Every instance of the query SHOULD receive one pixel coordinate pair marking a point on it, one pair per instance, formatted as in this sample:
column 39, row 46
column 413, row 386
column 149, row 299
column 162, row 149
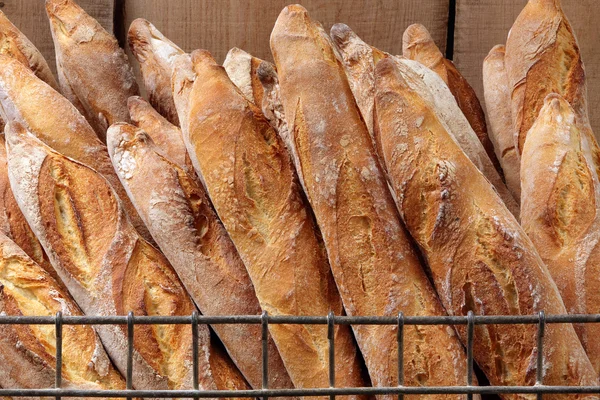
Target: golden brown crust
column 27, row 352
column 497, row 101
column 479, row 256
column 542, row 57
column 251, row 182
column 108, row 268
column 560, row 213
column 371, row 255
column 93, row 71
column 13, row 223
column 24, row 98
column 359, row 60
column 155, row 53
column 418, row 45
column 14, row 43
column 181, row 219
column 242, row 69
column 163, row 133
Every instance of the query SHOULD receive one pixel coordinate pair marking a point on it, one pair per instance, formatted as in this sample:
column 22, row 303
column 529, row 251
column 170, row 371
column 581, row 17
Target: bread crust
column 183, row 223
column 155, row 53
column 561, row 211
column 359, row 59
column 242, row 69
column 15, row 44
column 108, row 268
column 479, row 256
column 27, row 352
column 376, row 268
column 497, row 101
column 24, row 98
column 164, row 134
column 543, row 57
column 251, row 182
column 93, row 71
column 14, row 225
column 435, row 93
column 418, row 45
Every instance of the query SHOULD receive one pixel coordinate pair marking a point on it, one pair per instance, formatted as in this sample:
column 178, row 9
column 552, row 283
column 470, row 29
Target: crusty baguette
column 272, row 106
column 497, row 101
column 375, row 266
column 543, row 57
column 164, row 134
column 561, row 211
column 155, row 53
column 252, row 184
column 93, row 71
column 15, row 44
column 51, row 118
column 14, row 225
column 108, row 268
column 242, row 69
column 184, row 225
column 418, row 45
column 480, row 258
column 358, row 59
column 436, row 94
column 27, row 352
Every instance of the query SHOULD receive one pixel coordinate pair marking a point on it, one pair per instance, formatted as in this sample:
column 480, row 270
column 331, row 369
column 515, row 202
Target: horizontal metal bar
column 304, row 320
column 395, row 390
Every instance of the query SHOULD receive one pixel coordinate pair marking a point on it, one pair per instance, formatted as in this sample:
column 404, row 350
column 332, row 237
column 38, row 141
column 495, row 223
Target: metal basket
column 330, row 320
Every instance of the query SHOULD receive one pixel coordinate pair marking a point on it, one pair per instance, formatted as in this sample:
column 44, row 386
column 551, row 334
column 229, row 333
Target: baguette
column 155, row 53
column 166, row 135
column 560, row 214
column 25, row 99
column 14, row 43
column 184, row 225
column 27, row 352
column 272, row 107
column 242, row 69
column 252, row 184
column 418, row 45
column 543, row 57
column 14, row 225
column 358, row 59
column 375, row 266
column 93, row 71
column 480, row 258
column 108, row 268
column 497, row 101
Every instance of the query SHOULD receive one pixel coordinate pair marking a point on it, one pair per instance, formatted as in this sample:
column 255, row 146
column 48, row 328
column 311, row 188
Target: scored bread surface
column 480, row 258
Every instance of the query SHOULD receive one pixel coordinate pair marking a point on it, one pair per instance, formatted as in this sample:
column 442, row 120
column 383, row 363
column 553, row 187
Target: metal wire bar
column 301, row 320
column 539, row 376
column 195, row 384
column 331, row 337
column 470, row 331
column 400, row 339
column 265, row 353
column 59, row 343
column 393, row 390
column 130, row 327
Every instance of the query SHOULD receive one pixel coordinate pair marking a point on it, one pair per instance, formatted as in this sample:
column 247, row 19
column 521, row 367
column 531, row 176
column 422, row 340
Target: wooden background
column 217, row 25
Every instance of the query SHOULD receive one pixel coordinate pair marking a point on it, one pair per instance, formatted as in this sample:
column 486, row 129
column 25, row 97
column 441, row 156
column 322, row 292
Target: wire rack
column 470, row 320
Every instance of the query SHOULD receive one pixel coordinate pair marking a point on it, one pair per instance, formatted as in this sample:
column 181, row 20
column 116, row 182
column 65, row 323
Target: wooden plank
column 218, row 25
column 481, row 24
column 30, row 17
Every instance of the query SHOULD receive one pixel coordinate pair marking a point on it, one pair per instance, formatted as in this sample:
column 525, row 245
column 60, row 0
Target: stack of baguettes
column 339, row 179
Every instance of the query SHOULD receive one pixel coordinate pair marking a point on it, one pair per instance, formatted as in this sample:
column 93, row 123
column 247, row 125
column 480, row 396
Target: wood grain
column 218, row 25
column 30, row 17
column 481, row 24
